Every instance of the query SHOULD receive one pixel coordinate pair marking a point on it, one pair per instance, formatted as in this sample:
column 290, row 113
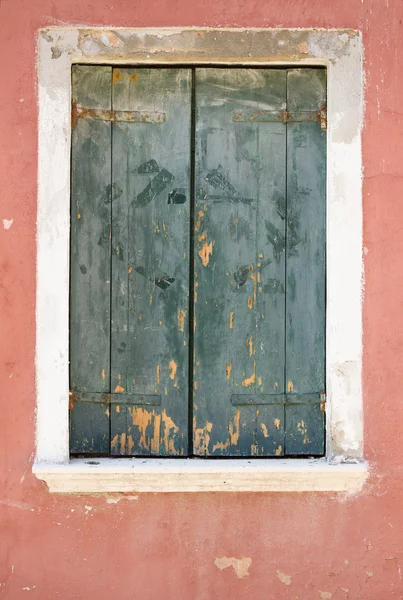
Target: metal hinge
column 119, row 116
column 283, row 116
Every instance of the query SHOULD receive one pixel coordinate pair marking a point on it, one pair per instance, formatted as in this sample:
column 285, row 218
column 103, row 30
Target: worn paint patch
column 201, row 437
column 264, row 429
column 206, row 250
column 172, row 369
column 119, row 389
column 249, row 380
column 181, row 319
column 228, row 369
column 276, row 423
column 240, row 565
column 286, row 579
column 325, row 595
column 231, row 319
column 7, row 223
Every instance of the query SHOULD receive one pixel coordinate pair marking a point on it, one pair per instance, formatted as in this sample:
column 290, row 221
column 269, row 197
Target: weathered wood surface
column 90, row 259
column 150, row 260
column 240, row 274
column 306, row 261
column 259, row 262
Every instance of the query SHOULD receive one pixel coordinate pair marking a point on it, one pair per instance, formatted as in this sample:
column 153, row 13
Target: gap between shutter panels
column 252, row 420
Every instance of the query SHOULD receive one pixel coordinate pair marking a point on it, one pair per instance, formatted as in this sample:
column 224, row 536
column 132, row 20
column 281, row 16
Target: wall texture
column 204, row 546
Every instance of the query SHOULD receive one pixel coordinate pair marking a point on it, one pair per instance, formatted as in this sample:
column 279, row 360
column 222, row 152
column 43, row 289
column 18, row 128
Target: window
column 198, row 261
column 340, row 51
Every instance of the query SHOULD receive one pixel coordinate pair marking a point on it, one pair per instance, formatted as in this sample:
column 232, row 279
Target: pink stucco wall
column 301, row 546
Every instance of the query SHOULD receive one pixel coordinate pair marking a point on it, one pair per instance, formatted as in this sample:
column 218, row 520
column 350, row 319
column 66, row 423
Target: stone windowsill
column 201, row 475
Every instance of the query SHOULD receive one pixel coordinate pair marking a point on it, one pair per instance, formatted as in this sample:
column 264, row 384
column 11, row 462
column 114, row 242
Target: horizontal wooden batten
column 280, row 116
column 118, row 398
column 119, row 116
column 252, row 399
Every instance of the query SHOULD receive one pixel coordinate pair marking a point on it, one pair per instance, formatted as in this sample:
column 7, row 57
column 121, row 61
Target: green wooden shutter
column 90, row 263
column 130, row 261
column 150, row 262
column 256, row 269
column 260, row 262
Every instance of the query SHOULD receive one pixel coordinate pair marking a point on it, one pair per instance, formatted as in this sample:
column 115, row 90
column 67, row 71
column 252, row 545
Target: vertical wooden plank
column 150, row 258
column 239, row 260
column 90, row 257
column 305, row 263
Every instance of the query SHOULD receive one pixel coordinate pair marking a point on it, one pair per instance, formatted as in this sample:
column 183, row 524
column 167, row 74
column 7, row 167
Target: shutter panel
column 150, row 261
column 90, row 263
column 240, row 261
column 260, row 262
column 305, row 263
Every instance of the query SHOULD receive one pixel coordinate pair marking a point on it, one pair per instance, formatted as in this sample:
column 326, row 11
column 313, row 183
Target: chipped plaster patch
column 286, row 579
column 117, row 499
column 7, row 223
column 325, row 595
column 240, row 565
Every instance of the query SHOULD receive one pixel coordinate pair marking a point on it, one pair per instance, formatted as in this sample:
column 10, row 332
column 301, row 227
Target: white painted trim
column 194, row 475
column 341, row 52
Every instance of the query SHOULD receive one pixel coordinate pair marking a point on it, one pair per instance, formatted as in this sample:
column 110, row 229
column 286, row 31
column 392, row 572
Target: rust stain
column 228, row 369
column 119, row 389
column 290, row 387
column 265, row 430
column 181, row 319
column 231, row 319
column 249, row 380
column 277, row 423
column 278, row 450
column 130, row 270
column 103, row 374
column 158, row 375
column 173, row 368
column 155, row 442
column 133, row 77
column 249, row 343
column 205, row 253
column 201, row 437
column 117, row 75
column 250, row 303
column 170, row 430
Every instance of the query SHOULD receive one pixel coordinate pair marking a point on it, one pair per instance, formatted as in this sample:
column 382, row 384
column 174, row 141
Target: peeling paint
column 7, row 223
column 172, row 369
column 241, row 566
column 286, row 579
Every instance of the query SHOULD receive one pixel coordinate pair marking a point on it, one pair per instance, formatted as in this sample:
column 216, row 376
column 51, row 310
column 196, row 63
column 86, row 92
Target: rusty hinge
column 120, row 116
column 281, row 116
column 323, row 402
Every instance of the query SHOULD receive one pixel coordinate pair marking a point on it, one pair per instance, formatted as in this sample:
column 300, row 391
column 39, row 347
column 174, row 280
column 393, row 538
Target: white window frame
column 344, row 468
